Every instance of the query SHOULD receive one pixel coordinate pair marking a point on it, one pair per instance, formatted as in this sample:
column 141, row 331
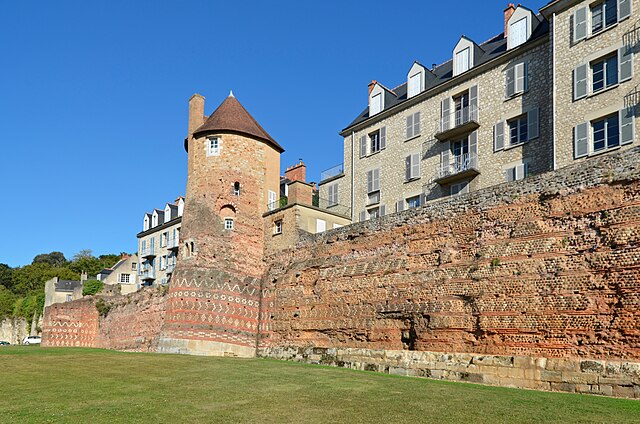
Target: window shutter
column 369, row 181
column 383, row 138
column 409, row 126
column 473, row 103
column 445, row 114
column 581, row 140
column 525, row 170
column 533, row 121
column 407, row 173
column 444, row 159
column 400, row 205
column 625, row 63
column 510, row 174
column 416, row 123
column 415, row 165
column 580, row 24
column 580, row 82
column 511, row 81
column 520, row 172
column 375, row 179
column 363, row 146
column 383, row 210
column 626, row 125
column 519, row 71
column 624, row 9
column 498, row 136
column 363, row 216
column 525, row 75
column 473, row 149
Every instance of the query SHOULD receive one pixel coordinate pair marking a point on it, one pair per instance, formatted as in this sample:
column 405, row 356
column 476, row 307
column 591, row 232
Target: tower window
column 277, row 229
column 228, row 223
column 213, row 146
column 236, row 189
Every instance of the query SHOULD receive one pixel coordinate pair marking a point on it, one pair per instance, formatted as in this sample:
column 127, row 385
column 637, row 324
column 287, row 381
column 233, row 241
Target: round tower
column 233, row 174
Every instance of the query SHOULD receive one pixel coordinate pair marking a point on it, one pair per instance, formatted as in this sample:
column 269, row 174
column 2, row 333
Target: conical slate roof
column 232, row 116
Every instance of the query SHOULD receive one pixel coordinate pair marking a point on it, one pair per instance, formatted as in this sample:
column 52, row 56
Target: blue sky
column 93, row 96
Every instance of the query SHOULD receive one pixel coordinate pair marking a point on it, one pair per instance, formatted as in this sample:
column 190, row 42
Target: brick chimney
column 371, row 85
column 297, row 172
column 196, row 112
column 508, row 12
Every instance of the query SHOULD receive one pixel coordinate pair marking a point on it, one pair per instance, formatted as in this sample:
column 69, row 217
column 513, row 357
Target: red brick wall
column 553, row 276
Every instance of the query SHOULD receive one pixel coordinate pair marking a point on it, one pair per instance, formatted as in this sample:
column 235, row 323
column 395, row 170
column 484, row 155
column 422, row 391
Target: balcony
column 460, row 122
column 173, row 243
column 462, row 167
column 332, row 172
column 148, row 274
column 148, row 252
column 170, row 268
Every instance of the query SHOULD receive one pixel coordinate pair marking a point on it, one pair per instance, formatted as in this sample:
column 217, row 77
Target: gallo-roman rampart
column 530, row 284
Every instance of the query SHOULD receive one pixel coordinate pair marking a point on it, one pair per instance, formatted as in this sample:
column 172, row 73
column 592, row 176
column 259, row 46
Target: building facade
column 158, row 244
column 60, row 291
column 124, row 273
column 539, row 96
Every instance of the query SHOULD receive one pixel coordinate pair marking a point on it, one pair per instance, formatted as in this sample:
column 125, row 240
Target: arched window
column 236, row 189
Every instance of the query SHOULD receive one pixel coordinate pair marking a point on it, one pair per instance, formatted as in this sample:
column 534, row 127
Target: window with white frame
column 321, row 225
column 213, row 146
column 277, row 227
column 460, row 188
column 134, row 266
column 413, row 125
column 376, row 104
column 517, row 79
column 462, row 61
column 374, row 142
column 272, row 200
column 228, row 223
column 333, row 195
column 518, row 32
column 69, row 297
column 598, row 16
column 412, row 167
column 607, row 132
column 415, row 85
column 413, row 202
column 604, row 73
column 125, row 278
column 518, row 130
column 603, row 15
column 517, row 172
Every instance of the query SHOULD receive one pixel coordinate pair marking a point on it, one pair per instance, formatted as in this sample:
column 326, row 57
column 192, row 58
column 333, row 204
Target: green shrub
column 103, row 307
column 92, row 287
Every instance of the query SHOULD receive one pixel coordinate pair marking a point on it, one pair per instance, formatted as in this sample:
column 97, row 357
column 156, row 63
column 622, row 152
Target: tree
column 83, row 254
column 7, row 300
column 6, row 276
column 53, row 259
column 92, row 287
column 32, row 277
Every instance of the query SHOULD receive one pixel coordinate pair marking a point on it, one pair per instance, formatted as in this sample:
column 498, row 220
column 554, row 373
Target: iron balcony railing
column 332, row 172
column 458, row 118
column 148, row 274
column 459, row 164
column 631, row 38
column 331, row 206
column 173, row 243
column 148, row 251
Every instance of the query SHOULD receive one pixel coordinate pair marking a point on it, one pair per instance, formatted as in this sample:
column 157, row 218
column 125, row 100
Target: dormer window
column 518, row 32
column 146, row 223
column 376, row 104
column 462, row 61
column 180, row 207
column 213, row 146
column 154, row 220
column 415, row 85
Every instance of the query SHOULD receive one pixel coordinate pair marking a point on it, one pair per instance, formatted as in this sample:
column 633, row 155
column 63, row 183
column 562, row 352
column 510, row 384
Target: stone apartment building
column 123, row 273
column 158, row 243
column 497, row 111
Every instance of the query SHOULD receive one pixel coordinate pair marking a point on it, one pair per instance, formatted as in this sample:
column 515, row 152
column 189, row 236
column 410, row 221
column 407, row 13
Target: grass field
column 90, row 386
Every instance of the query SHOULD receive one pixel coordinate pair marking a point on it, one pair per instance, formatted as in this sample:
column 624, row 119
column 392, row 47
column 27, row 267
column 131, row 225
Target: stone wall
column 13, row 330
column 545, row 268
column 126, row 323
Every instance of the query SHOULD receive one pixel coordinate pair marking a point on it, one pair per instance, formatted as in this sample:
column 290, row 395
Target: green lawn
column 88, row 386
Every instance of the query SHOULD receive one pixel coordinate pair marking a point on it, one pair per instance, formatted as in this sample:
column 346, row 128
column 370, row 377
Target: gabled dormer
column 520, row 26
column 147, row 222
column 465, row 55
column 170, row 212
column 379, row 97
column 157, row 218
column 417, row 79
column 180, row 203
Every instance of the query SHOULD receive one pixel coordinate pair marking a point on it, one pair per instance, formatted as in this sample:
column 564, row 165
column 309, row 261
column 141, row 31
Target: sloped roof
column 232, row 116
column 67, row 285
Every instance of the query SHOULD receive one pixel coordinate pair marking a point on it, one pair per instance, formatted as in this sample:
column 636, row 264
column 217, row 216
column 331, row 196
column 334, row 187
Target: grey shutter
column 525, row 76
column 511, row 81
column 498, row 136
column 533, row 122
column 624, row 9
column 383, row 210
column 525, row 170
column 625, row 63
column 400, row 205
column 473, row 149
column 510, row 174
column 375, row 179
column 369, row 181
column 580, row 82
column 409, row 126
column 626, row 125
column 363, row 216
column 407, row 163
column 520, row 77
column 473, row 103
column 444, row 159
column 581, row 140
column 363, row 146
column 445, row 114
column 520, row 172
column 383, row 138
column 415, row 165
column 580, row 24
column 416, row 123
column 423, row 199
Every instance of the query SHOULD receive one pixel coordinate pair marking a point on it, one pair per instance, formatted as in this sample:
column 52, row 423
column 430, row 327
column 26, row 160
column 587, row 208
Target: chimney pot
column 371, row 85
column 196, row 112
